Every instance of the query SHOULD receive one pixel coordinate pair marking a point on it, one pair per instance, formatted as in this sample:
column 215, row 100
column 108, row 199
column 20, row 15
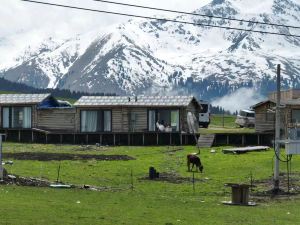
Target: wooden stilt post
column 156, row 138
column 143, row 139
column 180, row 138
column 19, row 134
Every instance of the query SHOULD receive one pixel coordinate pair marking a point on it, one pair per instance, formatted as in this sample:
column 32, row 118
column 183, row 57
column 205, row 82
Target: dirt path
column 41, row 156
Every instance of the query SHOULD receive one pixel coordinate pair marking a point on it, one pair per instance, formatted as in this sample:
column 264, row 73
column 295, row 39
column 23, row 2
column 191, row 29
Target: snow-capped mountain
column 148, row 56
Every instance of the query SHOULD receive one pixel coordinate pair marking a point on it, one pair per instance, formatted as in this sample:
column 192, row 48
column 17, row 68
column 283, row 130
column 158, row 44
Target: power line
column 196, row 14
column 160, row 19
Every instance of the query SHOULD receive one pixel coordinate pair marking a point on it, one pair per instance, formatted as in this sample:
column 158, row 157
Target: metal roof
column 282, row 102
column 22, row 98
column 134, row 101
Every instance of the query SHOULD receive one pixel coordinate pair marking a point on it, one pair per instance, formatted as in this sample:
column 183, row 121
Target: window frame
column 102, row 118
column 10, row 107
column 292, row 112
column 156, row 115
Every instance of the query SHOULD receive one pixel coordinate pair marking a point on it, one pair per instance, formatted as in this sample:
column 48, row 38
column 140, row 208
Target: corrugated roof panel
column 131, row 100
column 22, row 98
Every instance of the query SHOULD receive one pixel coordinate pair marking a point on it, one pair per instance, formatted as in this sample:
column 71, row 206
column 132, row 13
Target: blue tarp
column 51, row 102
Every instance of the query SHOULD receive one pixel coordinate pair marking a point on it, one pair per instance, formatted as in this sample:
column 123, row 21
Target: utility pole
column 277, row 134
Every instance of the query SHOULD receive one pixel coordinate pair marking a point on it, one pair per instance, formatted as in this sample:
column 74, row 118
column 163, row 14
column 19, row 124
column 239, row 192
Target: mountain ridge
column 152, row 56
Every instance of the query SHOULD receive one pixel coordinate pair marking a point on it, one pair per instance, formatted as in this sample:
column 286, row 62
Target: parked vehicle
column 204, row 115
column 245, row 118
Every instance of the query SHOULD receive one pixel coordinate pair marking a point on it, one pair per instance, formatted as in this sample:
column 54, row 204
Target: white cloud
column 26, row 17
column 243, row 98
column 26, row 24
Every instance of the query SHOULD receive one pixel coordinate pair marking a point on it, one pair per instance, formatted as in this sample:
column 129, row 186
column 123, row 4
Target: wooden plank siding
column 121, row 117
column 193, row 108
column 263, row 125
column 56, row 119
column 0, row 116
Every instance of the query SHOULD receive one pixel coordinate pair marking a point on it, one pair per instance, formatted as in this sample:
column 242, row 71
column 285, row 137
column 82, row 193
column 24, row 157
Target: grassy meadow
column 149, row 202
column 227, row 125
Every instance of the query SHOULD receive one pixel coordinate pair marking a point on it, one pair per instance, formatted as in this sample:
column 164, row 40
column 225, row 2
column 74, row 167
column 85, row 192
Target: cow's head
column 201, row 168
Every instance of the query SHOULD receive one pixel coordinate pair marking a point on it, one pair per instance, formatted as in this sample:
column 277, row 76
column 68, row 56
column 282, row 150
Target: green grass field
column 226, row 125
column 150, row 202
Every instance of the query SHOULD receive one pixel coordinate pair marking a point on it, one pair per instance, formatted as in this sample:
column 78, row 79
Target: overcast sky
column 39, row 20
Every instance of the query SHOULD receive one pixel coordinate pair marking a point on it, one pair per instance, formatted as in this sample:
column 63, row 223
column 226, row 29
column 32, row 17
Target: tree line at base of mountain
column 7, row 86
column 221, row 110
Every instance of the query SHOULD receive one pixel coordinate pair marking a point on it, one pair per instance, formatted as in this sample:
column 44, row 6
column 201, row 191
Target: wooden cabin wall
column 263, row 125
column 0, row 116
column 56, row 119
column 117, row 119
column 289, row 113
column 194, row 108
column 77, row 120
column 141, row 119
column 286, row 94
column 120, row 118
column 34, row 117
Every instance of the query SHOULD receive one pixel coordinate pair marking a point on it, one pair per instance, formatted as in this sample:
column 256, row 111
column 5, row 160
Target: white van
column 204, row 115
column 245, row 118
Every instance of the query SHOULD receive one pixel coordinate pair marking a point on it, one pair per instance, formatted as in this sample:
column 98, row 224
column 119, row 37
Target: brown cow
column 194, row 160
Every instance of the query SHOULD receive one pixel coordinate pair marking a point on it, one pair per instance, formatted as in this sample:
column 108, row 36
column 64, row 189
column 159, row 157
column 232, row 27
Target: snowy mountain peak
column 146, row 56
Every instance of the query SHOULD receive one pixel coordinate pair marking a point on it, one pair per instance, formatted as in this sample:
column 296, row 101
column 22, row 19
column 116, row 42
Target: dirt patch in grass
column 173, row 178
column 288, row 188
column 41, row 156
column 38, row 182
column 171, row 150
column 25, row 181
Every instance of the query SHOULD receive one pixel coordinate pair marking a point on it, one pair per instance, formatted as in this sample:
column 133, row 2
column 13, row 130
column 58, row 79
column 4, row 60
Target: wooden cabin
column 290, row 112
column 35, row 112
column 96, row 114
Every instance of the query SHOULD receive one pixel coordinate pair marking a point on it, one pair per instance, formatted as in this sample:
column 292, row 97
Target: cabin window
column 175, row 120
column 16, row 117
column 163, row 120
column 5, row 117
column 295, row 116
column 151, row 120
column 95, row 120
column 107, row 121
